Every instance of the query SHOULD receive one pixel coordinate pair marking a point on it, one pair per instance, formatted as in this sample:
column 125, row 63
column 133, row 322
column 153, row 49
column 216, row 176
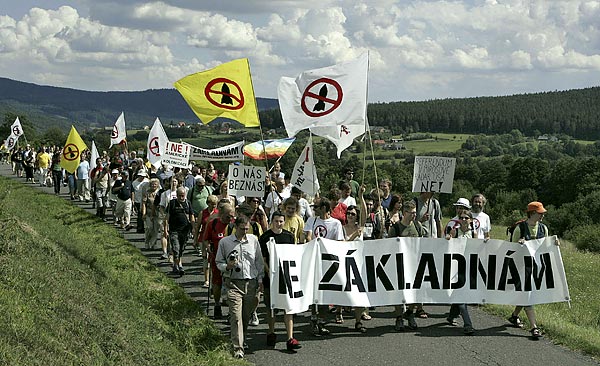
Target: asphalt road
column 433, row 343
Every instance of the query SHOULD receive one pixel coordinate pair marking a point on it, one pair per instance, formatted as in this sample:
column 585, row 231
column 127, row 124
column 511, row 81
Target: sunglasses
column 465, row 218
column 350, row 213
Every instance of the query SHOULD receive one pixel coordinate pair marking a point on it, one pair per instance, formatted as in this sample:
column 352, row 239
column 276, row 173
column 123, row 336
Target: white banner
column 433, row 174
column 248, row 181
column 177, row 154
column 157, row 141
column 16, row 128
column 304, row 175
column 416, row 270
column 233, row 152
column 119, row 132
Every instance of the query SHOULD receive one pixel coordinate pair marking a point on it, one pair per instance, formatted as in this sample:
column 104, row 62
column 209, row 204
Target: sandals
column 366, row 316
column 339, row 319
column 536, row 333
column 515, row 321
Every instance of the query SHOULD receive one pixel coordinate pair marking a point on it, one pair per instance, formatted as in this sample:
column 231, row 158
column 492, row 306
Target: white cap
column 463, row 202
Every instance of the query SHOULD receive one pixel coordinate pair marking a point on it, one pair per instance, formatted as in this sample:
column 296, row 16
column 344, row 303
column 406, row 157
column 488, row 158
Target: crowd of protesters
column 175, row 206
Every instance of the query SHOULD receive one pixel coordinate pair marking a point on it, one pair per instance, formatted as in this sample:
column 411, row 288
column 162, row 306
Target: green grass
column 575, row 325
column 75, row 293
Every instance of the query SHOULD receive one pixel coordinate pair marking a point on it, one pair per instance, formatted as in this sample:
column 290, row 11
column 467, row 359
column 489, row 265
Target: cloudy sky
column 419, row 50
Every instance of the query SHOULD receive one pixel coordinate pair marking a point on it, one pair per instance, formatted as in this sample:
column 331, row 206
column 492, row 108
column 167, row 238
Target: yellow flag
column 225, row 91
column 72, row 151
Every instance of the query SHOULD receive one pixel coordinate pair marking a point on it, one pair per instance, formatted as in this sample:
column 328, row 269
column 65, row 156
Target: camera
column 233, row 255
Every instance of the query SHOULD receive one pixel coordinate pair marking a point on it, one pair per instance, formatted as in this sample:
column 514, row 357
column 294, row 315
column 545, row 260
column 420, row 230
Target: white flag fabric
column 342, row 136
column 304, row 175
column 157, row 143
column 397, row 271
column 94, row 156
column 11, row 142
column 16, row 128
column 119, row 133
column 326, row 97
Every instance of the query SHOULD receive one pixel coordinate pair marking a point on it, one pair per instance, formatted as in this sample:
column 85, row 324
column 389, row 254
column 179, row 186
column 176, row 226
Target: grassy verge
column 75, row 293
column 574, row 325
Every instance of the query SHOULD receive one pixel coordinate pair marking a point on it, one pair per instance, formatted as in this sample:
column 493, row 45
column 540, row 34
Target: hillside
column 48, row 106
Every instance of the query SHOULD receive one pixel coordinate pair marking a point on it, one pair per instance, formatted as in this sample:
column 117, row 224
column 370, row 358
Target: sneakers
column 238, row 354
column 469, row 330
column 292, row 344
column 254, row 319
column 515, row 321
column 164, row 256
column 399, row 326
column 536, row 333
column 359, row 327
column 410, row 317
column 271, row 339
column 218, row 313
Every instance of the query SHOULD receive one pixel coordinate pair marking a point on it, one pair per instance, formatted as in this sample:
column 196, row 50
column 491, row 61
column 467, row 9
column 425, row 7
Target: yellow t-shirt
column 294, row 225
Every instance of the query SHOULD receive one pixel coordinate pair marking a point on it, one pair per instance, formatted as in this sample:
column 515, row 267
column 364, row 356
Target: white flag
column 119, row 133
column 93, row 157
column 16, row 129
column 11, row 142
column 342, row 136
column 157, row 143
column 304, row 175
column 331, row 96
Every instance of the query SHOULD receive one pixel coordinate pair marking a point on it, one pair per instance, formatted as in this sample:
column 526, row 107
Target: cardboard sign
column 433, row 174
column 177, row 155
column 248, row 181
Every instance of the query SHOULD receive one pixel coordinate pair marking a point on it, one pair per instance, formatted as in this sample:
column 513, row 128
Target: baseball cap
column 142, row 173
column 114, row 171
column 536, row 206
column 463, row 202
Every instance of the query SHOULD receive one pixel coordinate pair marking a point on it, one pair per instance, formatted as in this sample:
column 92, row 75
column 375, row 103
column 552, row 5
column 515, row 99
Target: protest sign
column 433, row 174
column 177, row 154
column 248, row 181
column 233, row 152
column 397, row 271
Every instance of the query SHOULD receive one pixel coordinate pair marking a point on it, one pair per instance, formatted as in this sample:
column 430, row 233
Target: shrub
column 585, row 237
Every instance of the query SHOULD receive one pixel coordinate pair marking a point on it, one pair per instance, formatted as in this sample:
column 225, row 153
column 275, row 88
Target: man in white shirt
column 323, row 225
column 481, row 221
column 276, row 197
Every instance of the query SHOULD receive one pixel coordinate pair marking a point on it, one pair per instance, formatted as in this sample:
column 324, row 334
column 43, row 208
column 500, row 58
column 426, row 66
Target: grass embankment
column 575, row 326
column 72, row 292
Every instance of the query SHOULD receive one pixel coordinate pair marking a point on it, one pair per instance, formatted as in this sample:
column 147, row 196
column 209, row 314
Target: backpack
column 400, row 228
column 524, row 229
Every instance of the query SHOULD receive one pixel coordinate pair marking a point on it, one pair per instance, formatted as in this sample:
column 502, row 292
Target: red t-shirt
column 214, row 236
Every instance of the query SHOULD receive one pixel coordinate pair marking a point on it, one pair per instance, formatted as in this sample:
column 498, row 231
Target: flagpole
column 262, row 137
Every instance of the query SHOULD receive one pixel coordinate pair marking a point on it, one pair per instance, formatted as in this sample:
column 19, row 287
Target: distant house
column 395, row 141
column 181, row 124
column 379, row 142
column 146, row 128
column 394, row 146
column 546, row 138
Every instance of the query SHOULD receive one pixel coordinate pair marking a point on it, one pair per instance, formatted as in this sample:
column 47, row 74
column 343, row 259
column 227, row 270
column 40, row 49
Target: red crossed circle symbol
column 16, row 130
column 71, row 152
column 239, row 97
column 308, row 93
column 11, row 142
column 154, row 146
column 115, row 133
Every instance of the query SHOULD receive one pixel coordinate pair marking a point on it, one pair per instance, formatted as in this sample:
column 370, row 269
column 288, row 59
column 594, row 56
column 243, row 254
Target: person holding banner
column 463, row 230
column 408, row 226
column 281, row 236
column 240, row 260
column 481, row 220
column 293, row 222
column 532, row 228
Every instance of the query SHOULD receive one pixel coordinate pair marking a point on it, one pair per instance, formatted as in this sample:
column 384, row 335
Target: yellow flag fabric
column 224, row 91
column 72, row 151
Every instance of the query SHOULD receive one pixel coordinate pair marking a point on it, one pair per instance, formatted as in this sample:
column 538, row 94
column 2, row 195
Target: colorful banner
column 273, row 148
column 233, row 152
column 224, row 91
column 433, row 174
column 397, row 271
